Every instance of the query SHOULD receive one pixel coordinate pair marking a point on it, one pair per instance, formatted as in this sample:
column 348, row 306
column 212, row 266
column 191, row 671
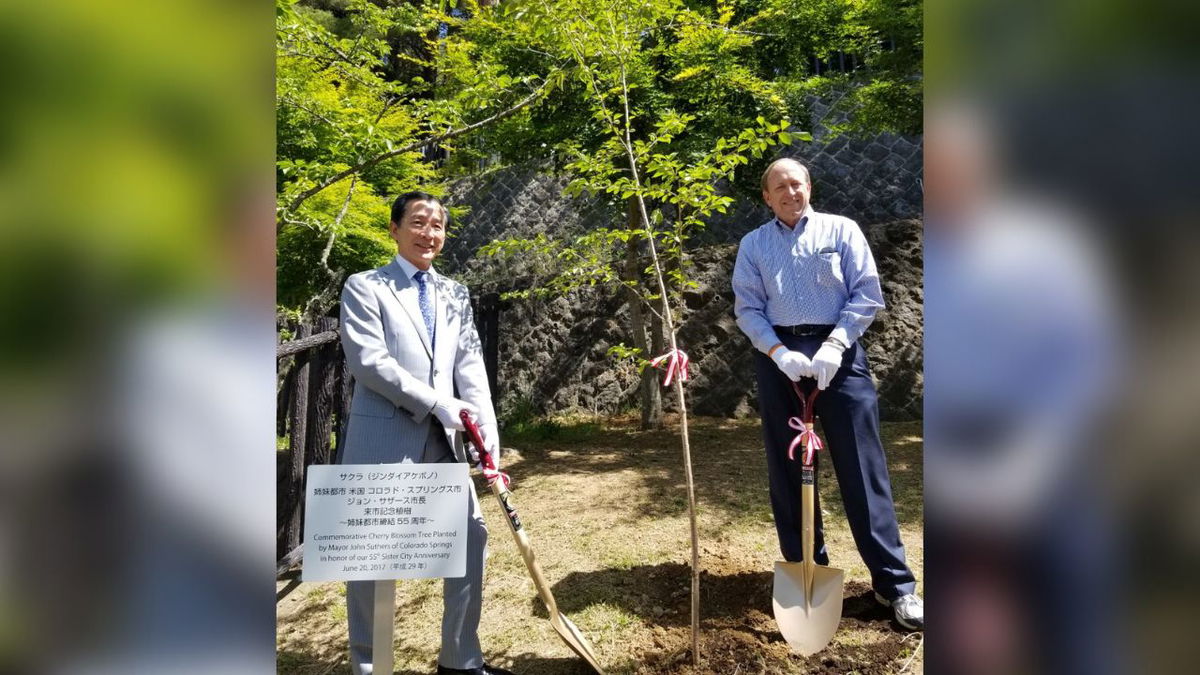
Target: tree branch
column 316, row 306
column 417, row 145
column 288, row 100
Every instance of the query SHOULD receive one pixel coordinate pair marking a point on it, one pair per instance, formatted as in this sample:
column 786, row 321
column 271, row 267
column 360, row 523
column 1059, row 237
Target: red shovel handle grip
column 476, row 438
column 807, row 407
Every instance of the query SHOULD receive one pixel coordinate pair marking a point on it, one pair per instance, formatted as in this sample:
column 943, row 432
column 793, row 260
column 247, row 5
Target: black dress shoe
column 485, row 669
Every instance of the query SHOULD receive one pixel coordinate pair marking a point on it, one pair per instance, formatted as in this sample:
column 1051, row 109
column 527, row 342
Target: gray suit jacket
column 399, row 372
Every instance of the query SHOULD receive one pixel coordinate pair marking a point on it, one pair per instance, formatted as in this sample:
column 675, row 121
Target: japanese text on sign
column 385, row 521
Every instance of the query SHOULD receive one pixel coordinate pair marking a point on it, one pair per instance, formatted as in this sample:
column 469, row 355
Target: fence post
column 320, row 397
column 283, row 397
column 345, row 391
column 283, row 401
column 297, row 436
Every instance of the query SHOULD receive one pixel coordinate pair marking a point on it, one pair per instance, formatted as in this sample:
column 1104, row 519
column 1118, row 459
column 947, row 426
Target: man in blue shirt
column 806, row 289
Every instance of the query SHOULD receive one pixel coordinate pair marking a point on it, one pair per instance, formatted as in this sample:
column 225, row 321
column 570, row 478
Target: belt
column 805, row 329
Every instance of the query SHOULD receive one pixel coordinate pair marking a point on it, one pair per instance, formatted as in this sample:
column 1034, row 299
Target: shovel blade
column 570, row 634
column 807, row 623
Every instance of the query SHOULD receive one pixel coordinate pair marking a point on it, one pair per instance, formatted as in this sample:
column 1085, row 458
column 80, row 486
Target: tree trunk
column 669, row 330
column 651, row 395
column 658, row 345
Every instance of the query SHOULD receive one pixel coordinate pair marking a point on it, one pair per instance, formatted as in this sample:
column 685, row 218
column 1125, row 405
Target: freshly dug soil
column 739, row 634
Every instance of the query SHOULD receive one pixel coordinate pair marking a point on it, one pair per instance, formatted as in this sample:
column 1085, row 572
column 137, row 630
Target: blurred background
column 1061, row 333
column 137, row 369
column 137, row 358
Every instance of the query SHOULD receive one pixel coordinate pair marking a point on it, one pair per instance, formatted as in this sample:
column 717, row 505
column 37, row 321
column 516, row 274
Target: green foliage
column 693, row 96
column 884, row 36
column 890, row 105
column 333, row 103
column 363, row 90
column 284, row 316
column 621, row 352
column 666, row 81
column 359, row 242
column 700, row 90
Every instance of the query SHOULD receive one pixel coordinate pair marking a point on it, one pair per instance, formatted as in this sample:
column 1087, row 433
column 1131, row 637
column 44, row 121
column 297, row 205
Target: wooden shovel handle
column 504, row 496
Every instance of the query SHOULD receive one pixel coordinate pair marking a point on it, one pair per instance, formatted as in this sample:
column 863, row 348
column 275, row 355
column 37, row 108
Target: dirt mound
column 738, row 632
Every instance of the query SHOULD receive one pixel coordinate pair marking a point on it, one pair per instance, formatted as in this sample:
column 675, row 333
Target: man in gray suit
column 412, row 347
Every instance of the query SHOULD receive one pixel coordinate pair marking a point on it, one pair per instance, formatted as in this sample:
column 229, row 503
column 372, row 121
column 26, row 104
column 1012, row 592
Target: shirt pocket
column 829, row 268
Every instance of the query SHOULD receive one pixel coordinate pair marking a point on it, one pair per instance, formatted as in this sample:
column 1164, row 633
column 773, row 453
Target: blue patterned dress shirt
column 820, row 272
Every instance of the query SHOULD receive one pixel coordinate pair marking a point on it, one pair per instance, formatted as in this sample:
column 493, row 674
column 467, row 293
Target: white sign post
column 382, row 522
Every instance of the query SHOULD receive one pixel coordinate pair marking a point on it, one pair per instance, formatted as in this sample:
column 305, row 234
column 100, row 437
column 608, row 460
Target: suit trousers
column 849, row 413
column 462, row 598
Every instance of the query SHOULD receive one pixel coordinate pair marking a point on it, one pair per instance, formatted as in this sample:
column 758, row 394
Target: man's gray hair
column 767, row 171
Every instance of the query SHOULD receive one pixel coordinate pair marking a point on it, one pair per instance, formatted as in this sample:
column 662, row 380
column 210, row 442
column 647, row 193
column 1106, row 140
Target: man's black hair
column 402, row 201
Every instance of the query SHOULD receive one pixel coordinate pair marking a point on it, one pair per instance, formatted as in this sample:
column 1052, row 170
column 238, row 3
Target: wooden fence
column 312, row 407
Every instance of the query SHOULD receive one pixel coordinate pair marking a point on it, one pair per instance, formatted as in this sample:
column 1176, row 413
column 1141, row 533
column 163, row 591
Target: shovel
column 807, row 597
column 566, row 629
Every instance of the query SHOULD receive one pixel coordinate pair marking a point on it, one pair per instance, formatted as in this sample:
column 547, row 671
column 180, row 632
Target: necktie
column 426, row 304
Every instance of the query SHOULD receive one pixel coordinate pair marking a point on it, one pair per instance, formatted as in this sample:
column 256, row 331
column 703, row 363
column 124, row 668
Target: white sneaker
column 910, row 610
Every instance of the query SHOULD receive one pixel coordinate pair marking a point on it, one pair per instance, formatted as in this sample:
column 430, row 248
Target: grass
column 523, row 425
column 604, row 507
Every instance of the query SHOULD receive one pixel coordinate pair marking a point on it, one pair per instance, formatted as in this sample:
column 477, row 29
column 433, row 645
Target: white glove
column 447, row 409
column 491, row 442
column 825, row 363
column 793, row 364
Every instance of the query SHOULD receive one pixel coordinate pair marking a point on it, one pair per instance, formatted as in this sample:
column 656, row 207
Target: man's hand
column 793, row 364
column 825, row 363
column 447, row 409
column 491, row 442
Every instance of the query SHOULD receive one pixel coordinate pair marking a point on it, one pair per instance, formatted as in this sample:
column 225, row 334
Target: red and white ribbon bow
column 810, row 439
column 676, row 364
column 490, row 472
